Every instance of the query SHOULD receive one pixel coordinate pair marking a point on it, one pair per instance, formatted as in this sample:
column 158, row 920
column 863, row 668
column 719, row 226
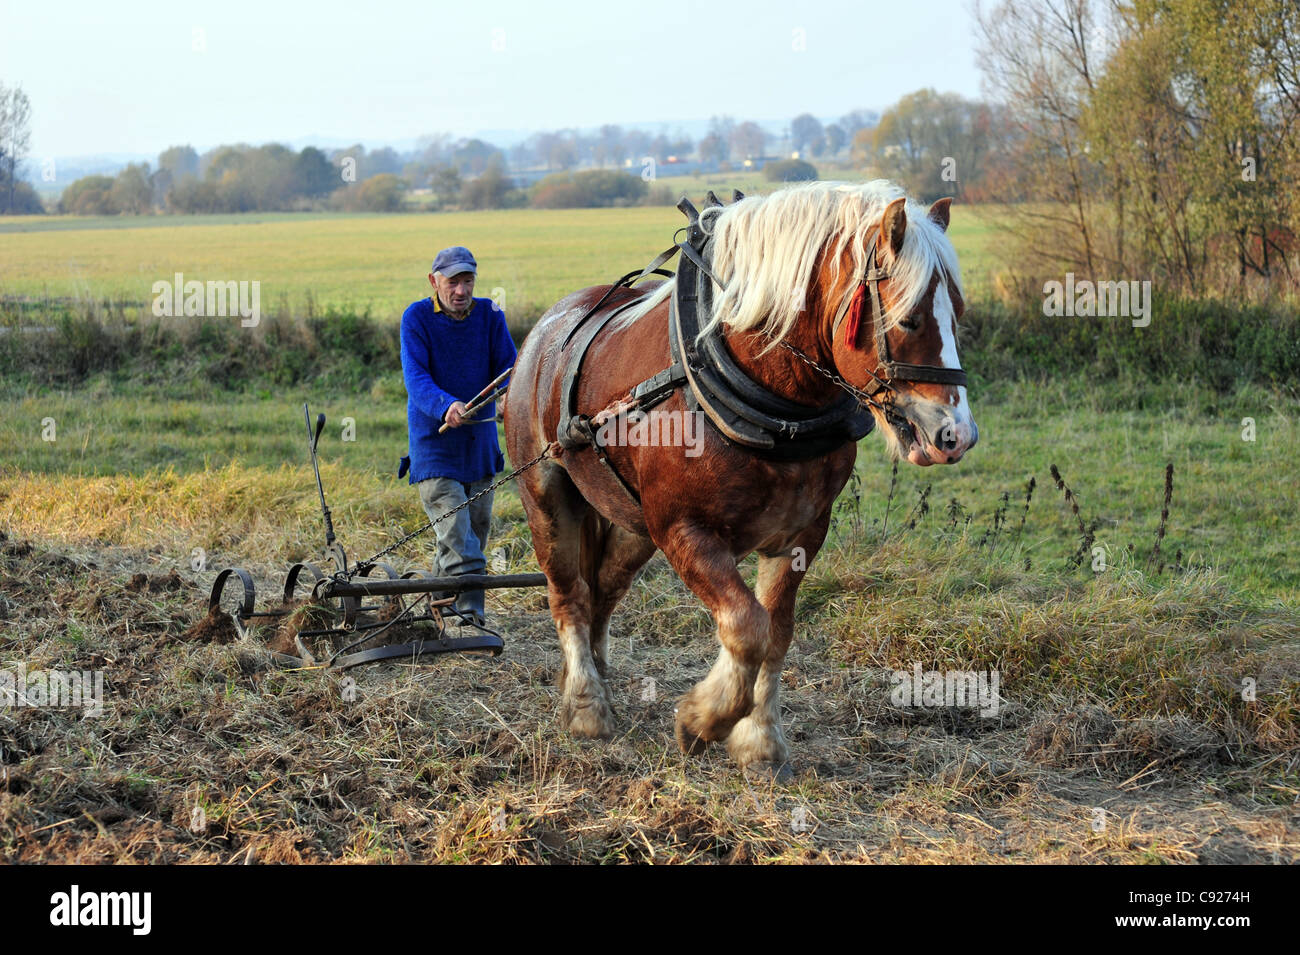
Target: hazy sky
column 136, row 77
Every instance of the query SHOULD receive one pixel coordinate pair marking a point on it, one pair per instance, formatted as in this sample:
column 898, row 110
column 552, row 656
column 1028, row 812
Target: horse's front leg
column 714, row 705
column 757, row 738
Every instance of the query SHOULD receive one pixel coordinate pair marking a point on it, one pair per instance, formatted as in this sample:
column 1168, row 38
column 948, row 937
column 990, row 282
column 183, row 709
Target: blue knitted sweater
column 445, row 360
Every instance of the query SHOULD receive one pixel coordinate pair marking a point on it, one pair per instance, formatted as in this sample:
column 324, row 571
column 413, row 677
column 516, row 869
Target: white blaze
column 946, row 317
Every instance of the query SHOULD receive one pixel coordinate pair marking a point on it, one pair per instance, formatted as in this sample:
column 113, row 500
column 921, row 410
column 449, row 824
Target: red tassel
column 855, row 317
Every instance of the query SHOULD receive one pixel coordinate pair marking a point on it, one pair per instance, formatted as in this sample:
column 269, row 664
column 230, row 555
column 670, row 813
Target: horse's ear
column 939, row 212
column 893, row 224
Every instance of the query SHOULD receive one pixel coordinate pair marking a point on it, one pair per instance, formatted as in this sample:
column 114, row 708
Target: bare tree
column 858, row 119
column 747, row 140
column 1154, row 140
column 15, row 137
column 805, row 131
column 609, row 146
column 1037, row 57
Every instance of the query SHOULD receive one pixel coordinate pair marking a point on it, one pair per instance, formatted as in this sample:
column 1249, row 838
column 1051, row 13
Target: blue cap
column 455, row 260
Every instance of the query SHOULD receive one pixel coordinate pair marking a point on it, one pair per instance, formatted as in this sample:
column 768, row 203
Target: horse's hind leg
column 559, row 518
column 620, row 554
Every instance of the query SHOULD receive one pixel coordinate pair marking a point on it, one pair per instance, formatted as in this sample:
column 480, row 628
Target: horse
column 784, row 271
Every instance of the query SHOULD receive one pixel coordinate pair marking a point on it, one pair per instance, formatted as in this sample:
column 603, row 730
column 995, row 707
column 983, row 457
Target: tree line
column 1143, row 139
column 583, row 169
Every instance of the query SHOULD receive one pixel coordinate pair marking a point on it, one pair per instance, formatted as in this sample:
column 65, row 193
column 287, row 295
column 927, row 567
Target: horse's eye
column 910, row 324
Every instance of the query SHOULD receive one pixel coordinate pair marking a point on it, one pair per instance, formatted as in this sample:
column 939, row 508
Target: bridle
column 888, row 370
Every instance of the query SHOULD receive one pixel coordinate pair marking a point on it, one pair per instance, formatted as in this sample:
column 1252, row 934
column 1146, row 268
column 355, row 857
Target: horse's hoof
column 768, row 772
column 588, row 718
column 752, row 743
column 691, row 742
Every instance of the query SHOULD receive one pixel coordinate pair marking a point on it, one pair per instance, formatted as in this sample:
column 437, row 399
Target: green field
column 162, row 458
column 1231, row 510
column 364, row 262
column 1230, row 505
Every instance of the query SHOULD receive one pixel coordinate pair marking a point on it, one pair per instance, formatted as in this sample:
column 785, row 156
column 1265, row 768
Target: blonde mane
column 766, row 250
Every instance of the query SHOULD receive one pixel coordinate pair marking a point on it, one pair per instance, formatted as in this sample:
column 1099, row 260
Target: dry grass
column 211, row 753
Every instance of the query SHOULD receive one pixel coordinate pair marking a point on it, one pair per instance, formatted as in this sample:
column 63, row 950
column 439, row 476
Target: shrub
column 382, row 193
column 588, row 189
column 790, row 170
column 89, row 196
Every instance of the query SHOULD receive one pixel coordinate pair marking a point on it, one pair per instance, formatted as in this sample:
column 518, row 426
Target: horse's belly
column 601, row 488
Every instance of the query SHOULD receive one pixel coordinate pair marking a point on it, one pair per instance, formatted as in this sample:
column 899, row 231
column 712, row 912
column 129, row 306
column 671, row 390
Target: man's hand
column 455, row 414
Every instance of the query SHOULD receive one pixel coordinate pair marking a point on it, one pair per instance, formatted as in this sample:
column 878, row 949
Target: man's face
column 456, row 292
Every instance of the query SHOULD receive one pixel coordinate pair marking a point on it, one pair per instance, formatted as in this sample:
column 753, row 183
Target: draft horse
column 795, row 323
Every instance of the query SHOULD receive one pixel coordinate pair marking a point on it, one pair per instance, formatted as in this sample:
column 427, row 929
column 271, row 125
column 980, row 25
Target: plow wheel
column 345, row 607
column 314, row 575
column 238, row 602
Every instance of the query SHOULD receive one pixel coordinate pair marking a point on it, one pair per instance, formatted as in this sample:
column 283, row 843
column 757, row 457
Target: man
column 453, row 345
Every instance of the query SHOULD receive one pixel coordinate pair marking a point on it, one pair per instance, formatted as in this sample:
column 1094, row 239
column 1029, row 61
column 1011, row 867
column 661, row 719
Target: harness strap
column 658, row 387
column 627, row 281
column 872, row 274
column 570, row 433
column 933, row 374
column 688, row 251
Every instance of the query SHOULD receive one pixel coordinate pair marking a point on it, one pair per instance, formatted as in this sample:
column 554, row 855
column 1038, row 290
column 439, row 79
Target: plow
column 336, row 613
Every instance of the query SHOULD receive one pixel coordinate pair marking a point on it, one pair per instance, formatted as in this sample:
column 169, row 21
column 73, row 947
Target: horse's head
column 899, row 281
column 855, row 277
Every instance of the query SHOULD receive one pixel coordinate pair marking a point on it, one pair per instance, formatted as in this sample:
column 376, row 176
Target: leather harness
column 742, row 410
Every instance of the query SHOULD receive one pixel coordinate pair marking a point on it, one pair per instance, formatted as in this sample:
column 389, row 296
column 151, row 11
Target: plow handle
column 312, row 439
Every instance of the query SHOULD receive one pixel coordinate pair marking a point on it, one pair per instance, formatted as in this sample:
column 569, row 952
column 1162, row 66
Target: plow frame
column 343, row 590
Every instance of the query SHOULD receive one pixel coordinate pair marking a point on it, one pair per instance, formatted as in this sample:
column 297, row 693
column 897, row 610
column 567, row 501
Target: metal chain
column 886, row 408
column 370, row 561
column 855, row 391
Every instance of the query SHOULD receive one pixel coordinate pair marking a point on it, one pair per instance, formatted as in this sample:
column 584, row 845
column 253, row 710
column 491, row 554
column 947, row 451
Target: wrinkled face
column 456, row 293
column 936, row 425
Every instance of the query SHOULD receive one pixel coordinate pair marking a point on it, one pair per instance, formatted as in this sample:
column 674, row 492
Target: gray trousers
column 461, row 537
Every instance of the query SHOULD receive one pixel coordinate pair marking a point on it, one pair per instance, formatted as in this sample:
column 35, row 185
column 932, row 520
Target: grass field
column 157, row 472
column 1122, row 680
column 378, row 263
